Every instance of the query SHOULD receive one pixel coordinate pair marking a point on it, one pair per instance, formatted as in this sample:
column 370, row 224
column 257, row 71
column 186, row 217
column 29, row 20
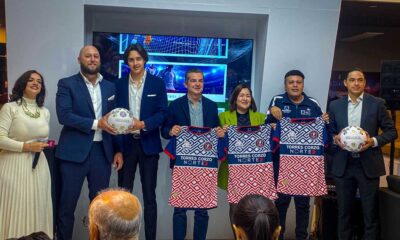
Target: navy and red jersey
column 249, row 162
column 308, row 108
column 196, row 151
column 301, row 164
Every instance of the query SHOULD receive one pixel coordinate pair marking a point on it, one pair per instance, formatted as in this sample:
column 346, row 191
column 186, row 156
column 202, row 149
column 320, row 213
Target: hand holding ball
column 121, row 119
column 353, row 138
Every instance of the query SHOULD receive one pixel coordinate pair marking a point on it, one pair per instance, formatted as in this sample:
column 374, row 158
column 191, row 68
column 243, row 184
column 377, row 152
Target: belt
column 355, row 155
column 136, row 136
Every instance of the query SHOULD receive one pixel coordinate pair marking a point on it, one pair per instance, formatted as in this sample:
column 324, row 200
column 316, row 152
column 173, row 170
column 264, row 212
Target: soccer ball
column 353, row 138
column 120, row 119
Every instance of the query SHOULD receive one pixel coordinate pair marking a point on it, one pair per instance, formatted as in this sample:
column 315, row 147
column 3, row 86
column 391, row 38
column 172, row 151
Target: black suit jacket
column 153, row 111
column 178, row 114
column 374, row 116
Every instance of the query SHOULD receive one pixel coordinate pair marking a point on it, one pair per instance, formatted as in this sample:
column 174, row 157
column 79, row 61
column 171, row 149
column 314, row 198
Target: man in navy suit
column 145, row 96
column 359, row 170
column 85, row 147
column 193, row 109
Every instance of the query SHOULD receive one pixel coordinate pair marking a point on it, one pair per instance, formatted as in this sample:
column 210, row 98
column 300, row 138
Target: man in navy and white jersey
column 294, row 103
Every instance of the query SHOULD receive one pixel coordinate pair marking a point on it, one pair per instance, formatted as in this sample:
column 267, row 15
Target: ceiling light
column 361, row 36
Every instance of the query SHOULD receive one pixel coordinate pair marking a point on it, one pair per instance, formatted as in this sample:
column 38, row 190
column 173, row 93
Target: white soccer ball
column 120, row 119
column 353, row 138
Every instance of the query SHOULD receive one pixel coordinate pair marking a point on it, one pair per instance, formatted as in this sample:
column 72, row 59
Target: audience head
column 242, row 97
column 30, row 84
column 34, row 236
column 256, row 218
column 114, row 214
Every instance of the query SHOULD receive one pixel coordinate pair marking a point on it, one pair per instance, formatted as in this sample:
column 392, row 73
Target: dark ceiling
column 369, row 16
column 365, row 15
column 353, row 13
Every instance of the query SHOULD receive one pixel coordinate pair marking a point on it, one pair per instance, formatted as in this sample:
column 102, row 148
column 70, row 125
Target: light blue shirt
column 196, row 113
column 354, row 111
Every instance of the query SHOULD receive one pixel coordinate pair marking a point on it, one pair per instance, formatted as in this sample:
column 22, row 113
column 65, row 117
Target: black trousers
column 346, row 189
column 148, row 167
column 302, row 206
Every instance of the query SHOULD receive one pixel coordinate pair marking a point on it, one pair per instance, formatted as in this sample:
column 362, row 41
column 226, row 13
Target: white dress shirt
column 135, row 97
column 95, row 95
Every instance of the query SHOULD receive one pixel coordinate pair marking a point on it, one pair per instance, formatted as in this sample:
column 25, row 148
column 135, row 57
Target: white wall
column 47, row 35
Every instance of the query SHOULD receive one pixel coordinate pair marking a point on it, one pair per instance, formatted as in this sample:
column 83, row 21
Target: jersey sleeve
column 273, row 103
column 221, row 149
column 325, row 137
column 270, row 136
column 275, row 136
column 170, row 149
column 225, row 143
column 269, row 118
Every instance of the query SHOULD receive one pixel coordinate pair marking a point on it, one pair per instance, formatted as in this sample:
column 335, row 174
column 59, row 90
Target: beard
column 86, row 70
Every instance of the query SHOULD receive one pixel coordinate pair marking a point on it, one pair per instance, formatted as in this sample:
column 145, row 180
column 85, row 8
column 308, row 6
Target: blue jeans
column 200, row 223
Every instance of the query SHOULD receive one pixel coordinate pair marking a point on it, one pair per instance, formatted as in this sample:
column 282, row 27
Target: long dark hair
column 235, row 94
column 20, row 85
column 138, row 48
column 257, row 216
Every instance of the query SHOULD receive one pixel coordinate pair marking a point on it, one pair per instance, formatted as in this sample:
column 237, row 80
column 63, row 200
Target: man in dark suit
column 85, row 147
column 193, row 109
column 359, row 170
column 145, row 96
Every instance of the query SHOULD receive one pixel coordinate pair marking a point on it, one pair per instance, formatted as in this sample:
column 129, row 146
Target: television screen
column 225, row 62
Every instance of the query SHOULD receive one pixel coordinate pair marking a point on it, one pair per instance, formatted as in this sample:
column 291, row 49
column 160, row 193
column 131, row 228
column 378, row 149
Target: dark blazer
column 153, row 111
column 75, row 111
column 374, row 116
column 178, row 114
